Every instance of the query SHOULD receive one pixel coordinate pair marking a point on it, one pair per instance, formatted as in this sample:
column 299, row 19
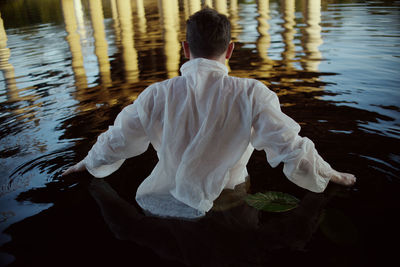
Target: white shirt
column 204, row 126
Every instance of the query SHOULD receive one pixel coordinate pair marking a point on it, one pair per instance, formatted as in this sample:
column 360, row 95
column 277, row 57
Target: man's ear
column 229, row 51
column 186, row 49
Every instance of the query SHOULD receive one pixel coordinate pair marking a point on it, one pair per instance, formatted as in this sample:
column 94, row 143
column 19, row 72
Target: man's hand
column 79, row 167
column 342, row 178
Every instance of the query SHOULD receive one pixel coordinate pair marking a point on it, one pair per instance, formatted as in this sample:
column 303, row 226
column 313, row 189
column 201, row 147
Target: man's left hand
column 79, row 167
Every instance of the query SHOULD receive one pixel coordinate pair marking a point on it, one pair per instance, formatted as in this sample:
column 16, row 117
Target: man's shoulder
column 247, row 81
column 249, row 84
column 159, row 89
column 159, row 85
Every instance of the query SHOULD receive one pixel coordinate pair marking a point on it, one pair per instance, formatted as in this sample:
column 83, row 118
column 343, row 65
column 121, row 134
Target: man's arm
column 278, row 135
column 125, row 139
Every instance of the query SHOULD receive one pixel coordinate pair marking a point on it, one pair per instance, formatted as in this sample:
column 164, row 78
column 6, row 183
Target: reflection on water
column 221, row 6
column 264, row 39
column 169, row 20
column 101, row 47
column 191, row 6
column 69, row 66
column 124, row 12
column 70, row 10
column 5, row 66
column 288, row 11
column 208, row 242
column 312, row 35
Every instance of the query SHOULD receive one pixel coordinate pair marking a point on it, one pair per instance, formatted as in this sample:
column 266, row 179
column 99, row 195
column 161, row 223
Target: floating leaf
column 272, row 201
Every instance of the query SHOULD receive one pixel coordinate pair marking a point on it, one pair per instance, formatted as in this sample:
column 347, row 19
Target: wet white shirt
column 204, row 126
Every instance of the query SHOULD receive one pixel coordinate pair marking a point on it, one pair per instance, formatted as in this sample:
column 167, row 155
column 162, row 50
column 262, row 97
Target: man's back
column 200, row 125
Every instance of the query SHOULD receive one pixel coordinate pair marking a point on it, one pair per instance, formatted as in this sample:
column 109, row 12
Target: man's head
column 208, row 34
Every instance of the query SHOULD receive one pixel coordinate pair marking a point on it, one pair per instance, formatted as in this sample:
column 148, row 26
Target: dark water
column 68, row 67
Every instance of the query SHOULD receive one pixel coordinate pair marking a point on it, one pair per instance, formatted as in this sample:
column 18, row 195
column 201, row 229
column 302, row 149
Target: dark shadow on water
column 234, row 237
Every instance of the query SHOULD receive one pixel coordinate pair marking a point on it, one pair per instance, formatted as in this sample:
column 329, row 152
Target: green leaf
column 272, row 201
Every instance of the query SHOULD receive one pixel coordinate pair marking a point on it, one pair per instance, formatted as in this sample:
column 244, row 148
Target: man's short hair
column 208, row 33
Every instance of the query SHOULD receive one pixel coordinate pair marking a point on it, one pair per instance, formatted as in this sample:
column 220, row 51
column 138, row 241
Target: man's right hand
column 343, row 178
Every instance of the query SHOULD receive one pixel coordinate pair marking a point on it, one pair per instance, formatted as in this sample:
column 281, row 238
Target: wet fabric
column 204, row 126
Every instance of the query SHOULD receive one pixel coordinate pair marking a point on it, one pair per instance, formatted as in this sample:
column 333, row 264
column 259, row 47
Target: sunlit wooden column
column 233, row 5
column 191, row 7
column 141, row 16
column 194, row 6
column 186, row 9
column 101, row 47
column 9, row 75
column 152, row 38
column 288, row 11
column 140, row 28
column 311, row 38
column 208, row 3
column 169, row 21
column 129, row 52
column 74, row 43
column 234, row 17
column 264, row 39
column 221, row 6
column 80, row 18
column 114, row 14
column 5, row 65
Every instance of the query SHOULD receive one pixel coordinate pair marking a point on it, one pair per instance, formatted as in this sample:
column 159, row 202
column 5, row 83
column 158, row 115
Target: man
column 204, row 126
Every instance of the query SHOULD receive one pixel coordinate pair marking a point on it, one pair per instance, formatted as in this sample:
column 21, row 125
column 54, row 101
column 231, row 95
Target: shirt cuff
column 103, row 170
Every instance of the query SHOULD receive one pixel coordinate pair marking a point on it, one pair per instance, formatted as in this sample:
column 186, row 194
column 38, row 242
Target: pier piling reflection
column 129, row 53
column 5, row 65
column 101, row 46
column 169, row 20
column 311, row 38
column 69, row 7
column 288, row 11
column 264, row 40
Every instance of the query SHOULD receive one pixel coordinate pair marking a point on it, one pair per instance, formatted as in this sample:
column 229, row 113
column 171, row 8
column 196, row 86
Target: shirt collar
column 203, row 64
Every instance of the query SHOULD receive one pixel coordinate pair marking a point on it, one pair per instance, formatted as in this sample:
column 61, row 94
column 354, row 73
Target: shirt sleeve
column 278, row 134
column 125, row 139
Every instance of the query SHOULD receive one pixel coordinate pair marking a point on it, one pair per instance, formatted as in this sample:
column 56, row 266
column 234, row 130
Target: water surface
column 69, row 66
